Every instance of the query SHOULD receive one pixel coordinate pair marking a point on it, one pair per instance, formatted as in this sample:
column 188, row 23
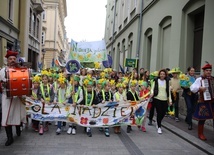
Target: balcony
column 37, row 6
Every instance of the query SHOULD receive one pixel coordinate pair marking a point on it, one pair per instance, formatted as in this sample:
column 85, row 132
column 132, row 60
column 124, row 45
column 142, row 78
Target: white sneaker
column 159, row 130
column 69, row 130
column 58, row 131
column 156, row 124
column 73, row 131
column 88, row 129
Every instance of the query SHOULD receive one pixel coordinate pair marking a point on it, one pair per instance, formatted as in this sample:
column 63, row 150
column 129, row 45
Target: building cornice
column 9, row 25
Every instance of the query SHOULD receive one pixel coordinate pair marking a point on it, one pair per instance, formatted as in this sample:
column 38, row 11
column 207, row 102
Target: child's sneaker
column 143, row 129
column 107, row 132
column 46, row 128
column 88, row 131
column 69, row 130
column 73, row 131
column 58, row 131
column 41, row 130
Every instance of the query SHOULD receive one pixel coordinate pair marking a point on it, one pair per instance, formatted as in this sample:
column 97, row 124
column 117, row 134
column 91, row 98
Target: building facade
column 54, row 40
column 20, row 29
column 160, row 33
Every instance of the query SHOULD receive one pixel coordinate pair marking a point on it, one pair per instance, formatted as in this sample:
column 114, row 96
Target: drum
column 18, row 82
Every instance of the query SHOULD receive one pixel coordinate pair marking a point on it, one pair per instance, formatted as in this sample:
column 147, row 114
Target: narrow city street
column 137, row 142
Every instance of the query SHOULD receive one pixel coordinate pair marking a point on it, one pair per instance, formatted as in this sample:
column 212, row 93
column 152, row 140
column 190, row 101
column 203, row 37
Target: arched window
column 164, row 42
column 147, row 48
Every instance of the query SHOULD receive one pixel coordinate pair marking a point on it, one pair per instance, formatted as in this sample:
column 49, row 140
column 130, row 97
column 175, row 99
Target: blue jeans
column 190, row 104
column 60, row 123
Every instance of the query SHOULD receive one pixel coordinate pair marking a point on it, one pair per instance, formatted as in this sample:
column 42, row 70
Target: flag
column 122, row 70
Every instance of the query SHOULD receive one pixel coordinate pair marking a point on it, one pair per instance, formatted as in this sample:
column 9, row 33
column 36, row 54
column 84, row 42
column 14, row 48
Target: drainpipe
column 115, row 4
column 55, row 26
column 139, row 32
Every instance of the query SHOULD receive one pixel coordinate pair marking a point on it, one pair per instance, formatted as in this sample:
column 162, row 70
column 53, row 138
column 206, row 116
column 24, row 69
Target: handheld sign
column 72, row 66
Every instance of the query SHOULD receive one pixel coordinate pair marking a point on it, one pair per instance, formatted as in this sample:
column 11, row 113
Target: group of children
column 88, row 90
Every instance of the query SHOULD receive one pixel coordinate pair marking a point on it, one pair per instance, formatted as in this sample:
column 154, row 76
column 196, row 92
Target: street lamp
column 43, row 58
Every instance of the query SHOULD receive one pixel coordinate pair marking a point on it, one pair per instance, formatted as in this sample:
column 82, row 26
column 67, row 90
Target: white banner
column 107, row 114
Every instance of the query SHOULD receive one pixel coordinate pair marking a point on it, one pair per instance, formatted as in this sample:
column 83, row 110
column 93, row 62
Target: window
column 43, row 37
column 30, row 21
column 37, row 27
column 165, row 41
column 10, row 13
column 34, row 24
column 44, row 15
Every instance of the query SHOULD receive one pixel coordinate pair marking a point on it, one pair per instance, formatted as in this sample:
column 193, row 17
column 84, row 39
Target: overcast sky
column 85, row 20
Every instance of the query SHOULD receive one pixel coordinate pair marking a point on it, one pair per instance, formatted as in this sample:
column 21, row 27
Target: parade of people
column 144, row 85
column 64, row 90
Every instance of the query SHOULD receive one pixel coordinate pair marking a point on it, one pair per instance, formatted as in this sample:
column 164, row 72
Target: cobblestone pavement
column 134, row 143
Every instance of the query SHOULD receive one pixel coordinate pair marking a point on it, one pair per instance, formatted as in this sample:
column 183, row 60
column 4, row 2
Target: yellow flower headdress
column 175, row 70
column 112, row 82
column 107, row 70
column 102, row 74
column 88, row 81
column 45, row 72
column 62, row 80
column 120, row 85
column 100, row 81
column 36, row 79
column 133, row 82
column 140, row 82
column 104, row 83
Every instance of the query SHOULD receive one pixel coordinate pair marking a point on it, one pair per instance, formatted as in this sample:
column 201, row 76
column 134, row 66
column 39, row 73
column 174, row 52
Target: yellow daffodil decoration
column 175, row 70
column 88, row 81
column 107, row 70
column 120, row 85
column 102, row 74
column 62, row 80
column 45, row 72
column 133, row 82
column 96, row 65
column 184, row 81
column 100, row 81
column 36, row 79
column 112, row 82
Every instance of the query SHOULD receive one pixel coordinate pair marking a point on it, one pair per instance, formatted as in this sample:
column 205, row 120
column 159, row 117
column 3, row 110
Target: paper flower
column 62, row 80
column 44, row 72
column 184, row 81
column 102, row 74
column 133, row 82
column 36, row 78
column 112, row 82
column 96, row 65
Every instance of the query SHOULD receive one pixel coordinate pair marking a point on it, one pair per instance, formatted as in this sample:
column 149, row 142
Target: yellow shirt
column 162, row 95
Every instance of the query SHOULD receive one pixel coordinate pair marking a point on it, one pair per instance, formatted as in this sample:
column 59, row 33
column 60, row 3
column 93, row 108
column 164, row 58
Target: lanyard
column 133, row 96
column 86, row 98
column 117, row 95
column 104, row 97
column 43, row 93
column 34, row 94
